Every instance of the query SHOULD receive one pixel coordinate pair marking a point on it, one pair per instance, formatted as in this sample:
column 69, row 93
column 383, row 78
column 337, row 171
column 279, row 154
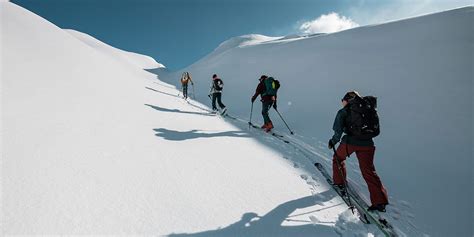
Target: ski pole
column 194, row 95
column 284, row 122
column 251, row 111
column 339, row 167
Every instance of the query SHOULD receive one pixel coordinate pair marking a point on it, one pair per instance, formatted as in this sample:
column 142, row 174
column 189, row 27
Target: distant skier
column 185, row 79
column 359, row 120
column 216, row 92
column 267, row 89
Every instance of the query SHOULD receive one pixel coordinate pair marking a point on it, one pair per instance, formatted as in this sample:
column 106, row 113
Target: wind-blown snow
column 421, row 70
column 328, row 23
column 90, row 146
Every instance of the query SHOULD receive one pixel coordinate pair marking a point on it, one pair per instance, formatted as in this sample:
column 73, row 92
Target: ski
column 278, row 136
column 360, row 205
column 226, row 115
column 379, row 220
column 254, row 126
column 281, row 138
column 223, row 112
column 340, row 192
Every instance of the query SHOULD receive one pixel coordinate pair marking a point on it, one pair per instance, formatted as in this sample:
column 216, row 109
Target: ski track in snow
column 294, row 155
column 302, row 156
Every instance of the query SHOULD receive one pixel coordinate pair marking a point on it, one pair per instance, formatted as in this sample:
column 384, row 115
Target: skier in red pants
column 364, row 149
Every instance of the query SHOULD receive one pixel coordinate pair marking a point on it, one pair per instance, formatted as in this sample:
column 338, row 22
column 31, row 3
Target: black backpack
column 218, row 84
column 363, row 120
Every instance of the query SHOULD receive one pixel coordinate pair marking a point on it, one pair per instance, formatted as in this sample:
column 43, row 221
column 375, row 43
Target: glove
column 330, row 144
column 253, row 99
column 275, row 105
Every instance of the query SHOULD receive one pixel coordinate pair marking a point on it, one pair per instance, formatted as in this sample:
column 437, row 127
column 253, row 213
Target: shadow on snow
column 193, row 134
column 270, row 224
column 162, row 92
column 178, row 111
column 250, row 223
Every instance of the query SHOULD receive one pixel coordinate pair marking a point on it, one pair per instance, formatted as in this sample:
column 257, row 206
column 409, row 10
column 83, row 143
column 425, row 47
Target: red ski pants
column 365, row 155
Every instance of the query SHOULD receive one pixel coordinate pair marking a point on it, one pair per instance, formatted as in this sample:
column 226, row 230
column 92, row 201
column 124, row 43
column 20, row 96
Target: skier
column 267, row 88
column 185, row 79
column 216, row 92
column 363, row 147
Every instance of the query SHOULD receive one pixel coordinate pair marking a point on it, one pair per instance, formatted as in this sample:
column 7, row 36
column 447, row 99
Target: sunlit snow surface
column 92, row 144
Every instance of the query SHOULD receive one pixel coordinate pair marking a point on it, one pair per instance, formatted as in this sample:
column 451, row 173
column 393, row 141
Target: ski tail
column 360, row 205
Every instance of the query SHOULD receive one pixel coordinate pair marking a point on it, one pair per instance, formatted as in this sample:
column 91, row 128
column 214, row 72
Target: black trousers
column 217, row 96
column 185, row 90
column 266, row 106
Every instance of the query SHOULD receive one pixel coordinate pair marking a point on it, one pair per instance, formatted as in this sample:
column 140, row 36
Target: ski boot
column 342, row 189
column 377, row 207
column 268, row 126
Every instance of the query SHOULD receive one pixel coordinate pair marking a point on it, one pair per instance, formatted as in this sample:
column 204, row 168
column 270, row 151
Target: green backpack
column 271, row 86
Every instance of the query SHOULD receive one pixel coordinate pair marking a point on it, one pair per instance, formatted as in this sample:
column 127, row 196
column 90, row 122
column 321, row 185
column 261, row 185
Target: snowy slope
column 421, row 69
column 90, row 146
column 137, row 60
column 242, row 41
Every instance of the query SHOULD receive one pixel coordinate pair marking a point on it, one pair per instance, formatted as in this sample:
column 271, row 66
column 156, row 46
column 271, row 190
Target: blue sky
column 180, row 32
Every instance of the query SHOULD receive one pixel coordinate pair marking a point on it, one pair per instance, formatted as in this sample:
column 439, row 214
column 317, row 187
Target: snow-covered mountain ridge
column 136, row 60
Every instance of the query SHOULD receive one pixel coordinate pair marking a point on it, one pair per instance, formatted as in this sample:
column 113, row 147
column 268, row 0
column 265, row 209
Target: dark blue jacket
column 340, row 127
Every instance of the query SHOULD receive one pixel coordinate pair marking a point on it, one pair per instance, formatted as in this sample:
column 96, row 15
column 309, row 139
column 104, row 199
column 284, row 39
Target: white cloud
column 328, row 23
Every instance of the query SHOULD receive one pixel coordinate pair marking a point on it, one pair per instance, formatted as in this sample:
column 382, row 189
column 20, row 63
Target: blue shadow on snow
column 193, row 134
column 252, row 225
column 162, row 92
column 178, row 111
